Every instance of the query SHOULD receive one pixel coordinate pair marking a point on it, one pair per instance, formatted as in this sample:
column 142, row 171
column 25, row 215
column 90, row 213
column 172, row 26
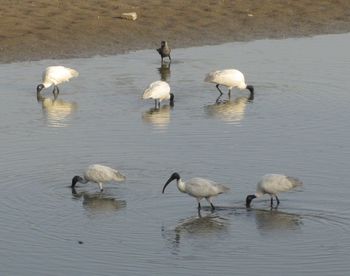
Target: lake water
column 297, row 124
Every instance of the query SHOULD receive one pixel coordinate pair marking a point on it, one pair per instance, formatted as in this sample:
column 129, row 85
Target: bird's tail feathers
column 223, row 188
column 119, row 176
column 209, row 77
column 74, row 73
column 146, row 94
column 295, row 181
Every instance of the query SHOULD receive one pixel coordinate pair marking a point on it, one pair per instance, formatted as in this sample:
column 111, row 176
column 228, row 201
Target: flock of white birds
column 199, row 188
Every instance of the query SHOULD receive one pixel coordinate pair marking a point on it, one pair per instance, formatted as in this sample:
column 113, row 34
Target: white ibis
column 54, row 75
column 98, row 174
column 198, row 188
column 230, row 78
column 164, row 50
column 159, row 91
column 274, row 184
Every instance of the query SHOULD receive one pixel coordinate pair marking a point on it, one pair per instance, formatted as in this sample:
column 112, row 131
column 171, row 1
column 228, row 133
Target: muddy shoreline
column 44, row 29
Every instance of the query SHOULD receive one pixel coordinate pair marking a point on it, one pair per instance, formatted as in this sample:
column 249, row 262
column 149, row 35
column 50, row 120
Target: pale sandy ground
column 40, row 29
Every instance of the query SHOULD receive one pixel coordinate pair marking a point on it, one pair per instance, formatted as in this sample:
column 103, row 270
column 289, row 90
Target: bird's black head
column 163, row 43
column 175, row 175
column 39, row 88
column 250, row 88
column 76, row 179
column 171, row 99
column 248, row 200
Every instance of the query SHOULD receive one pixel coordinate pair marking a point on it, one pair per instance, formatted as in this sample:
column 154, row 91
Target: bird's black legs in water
column 55, row 91
column 217, row 86
column 156, row 104
column 218, row 99
column 199, row 209
column 278, row 201
column 211, row 204
column 229, row 93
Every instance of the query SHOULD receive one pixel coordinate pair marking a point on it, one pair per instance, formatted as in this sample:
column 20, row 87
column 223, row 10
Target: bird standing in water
column 158, row 91
column 164, row 50
column 54, row 75
column 230, row 78
column 98, row 174
column 273, row 184
column 198, row 188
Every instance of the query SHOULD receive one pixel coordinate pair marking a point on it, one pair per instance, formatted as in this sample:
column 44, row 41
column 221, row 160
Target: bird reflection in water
column 97, row 203
column 229, row 110
column 193, row 227
column 272, row 220
column 164, row 71
column 57, row 111
column 158, row 117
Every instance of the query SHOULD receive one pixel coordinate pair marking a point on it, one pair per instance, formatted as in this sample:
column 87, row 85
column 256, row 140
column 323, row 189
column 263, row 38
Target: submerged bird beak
column 75, row 180
column 249, row 200
column 166, row 184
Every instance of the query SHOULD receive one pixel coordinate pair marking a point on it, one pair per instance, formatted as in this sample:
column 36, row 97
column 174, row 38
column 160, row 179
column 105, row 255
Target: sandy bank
column 40, row 29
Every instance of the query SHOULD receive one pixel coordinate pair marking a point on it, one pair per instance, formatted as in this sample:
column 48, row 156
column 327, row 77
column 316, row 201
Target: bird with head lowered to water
column 198, row 188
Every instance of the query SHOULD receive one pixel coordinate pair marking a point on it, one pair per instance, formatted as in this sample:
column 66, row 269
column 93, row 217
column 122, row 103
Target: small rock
column 129, row 15
column 80, row 242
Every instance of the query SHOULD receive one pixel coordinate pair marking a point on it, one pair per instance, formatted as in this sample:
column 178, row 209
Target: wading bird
column 198, row 188
column 158, row 91
column 230, row 78
column 274, row 184
column 98, row 174
column 54, row 75
column 164, row 50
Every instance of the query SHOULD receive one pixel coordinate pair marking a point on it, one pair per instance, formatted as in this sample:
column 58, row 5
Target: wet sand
column 42, row 29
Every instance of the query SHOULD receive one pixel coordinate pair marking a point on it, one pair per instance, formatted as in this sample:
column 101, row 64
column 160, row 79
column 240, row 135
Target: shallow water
column 296, row 124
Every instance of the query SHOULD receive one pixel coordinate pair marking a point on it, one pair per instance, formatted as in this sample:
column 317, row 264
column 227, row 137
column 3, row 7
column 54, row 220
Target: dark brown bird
column 164, row 50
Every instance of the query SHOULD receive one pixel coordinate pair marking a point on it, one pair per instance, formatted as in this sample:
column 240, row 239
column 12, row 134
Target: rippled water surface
column 297, row 124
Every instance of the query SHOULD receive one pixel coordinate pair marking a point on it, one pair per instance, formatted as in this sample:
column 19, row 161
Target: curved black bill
column 166, row 184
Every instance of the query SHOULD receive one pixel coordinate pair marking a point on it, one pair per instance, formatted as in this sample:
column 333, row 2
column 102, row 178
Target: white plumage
column 198, row 187
column 158, row 91
column 274, row 184
column 54, row 75
column 231, row 78
column 98, row 174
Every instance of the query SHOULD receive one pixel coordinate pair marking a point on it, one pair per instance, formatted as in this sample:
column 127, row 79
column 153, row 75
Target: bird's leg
column 211, row 204
column 199, row 213
column 218, row 99
column 229, row 93
column 217, row 86
column 278, row 201
column 155, row 103
column 271, row 201
column 169, row 58
column 55, row 91
column 199, row 205
column 101, row 186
